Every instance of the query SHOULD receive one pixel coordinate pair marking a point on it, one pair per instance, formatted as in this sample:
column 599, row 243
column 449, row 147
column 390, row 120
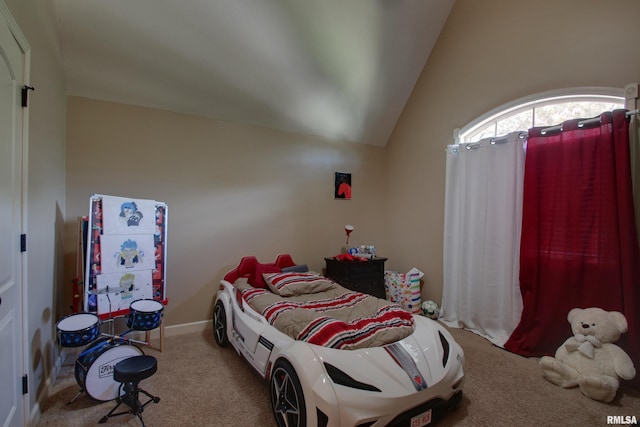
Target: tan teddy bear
column 589, row 359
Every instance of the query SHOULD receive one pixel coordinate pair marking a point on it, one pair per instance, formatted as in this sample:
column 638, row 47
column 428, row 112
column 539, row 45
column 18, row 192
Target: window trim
column 540, row 99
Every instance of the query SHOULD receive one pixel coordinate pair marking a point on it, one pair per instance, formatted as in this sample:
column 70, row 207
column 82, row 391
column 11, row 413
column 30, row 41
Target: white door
column 11, row 356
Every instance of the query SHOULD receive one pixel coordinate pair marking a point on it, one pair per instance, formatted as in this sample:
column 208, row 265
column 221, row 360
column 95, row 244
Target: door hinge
column 23, row 243
column 25, row 95
column 25, row 384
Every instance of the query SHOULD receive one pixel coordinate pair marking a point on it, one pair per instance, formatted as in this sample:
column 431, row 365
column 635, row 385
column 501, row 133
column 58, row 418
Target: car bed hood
column 412, row 364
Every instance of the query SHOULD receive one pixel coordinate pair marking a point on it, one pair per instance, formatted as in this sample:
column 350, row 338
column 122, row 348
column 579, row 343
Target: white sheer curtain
column 483, row 213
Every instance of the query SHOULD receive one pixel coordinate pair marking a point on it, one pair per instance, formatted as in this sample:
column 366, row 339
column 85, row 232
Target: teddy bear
column 589, row 359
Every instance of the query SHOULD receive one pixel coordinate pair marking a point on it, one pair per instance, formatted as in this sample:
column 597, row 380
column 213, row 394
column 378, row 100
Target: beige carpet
column 201, row 384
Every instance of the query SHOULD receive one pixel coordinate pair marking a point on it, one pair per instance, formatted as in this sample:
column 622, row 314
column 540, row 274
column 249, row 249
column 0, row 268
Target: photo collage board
column 125, row 254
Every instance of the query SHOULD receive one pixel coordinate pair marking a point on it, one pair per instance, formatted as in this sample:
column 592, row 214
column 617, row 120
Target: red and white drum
column 94, row 366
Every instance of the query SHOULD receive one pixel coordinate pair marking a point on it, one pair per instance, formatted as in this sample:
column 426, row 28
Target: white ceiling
column 339, row 69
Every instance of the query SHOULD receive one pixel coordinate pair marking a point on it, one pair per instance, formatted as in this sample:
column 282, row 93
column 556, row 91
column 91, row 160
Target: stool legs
column 131, row 398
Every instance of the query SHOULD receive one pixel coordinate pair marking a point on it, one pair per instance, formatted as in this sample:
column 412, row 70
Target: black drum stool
column 129, row 372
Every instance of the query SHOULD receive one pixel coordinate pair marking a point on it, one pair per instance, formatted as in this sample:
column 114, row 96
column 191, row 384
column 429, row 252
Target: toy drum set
column 94, row 365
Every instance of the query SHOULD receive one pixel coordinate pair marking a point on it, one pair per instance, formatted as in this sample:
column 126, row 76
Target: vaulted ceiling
column 338, row 69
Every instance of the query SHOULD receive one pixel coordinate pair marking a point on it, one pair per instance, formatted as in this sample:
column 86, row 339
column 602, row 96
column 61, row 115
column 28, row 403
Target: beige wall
column 232, row 190
column 491, row 52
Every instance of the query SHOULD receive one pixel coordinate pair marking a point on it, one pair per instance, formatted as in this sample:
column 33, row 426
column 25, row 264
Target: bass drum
column 94, row 366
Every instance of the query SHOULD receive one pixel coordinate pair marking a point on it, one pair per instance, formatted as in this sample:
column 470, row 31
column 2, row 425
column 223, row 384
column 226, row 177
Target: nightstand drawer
column 359, row 276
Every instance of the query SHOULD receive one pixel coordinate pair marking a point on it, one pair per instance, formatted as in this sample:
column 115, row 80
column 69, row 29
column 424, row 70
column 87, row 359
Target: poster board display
column 126, row 249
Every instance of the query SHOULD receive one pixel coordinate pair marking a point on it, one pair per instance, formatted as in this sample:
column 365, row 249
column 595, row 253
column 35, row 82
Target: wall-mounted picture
column 342, row 186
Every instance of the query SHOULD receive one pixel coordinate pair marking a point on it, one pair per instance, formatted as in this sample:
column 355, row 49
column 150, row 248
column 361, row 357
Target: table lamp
column 348, row 229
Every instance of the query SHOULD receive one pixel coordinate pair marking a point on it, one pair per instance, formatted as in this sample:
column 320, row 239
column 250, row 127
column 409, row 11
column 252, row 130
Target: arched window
column 543, row 109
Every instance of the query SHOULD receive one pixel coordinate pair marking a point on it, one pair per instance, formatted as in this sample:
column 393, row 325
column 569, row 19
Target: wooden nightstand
column 360, row 276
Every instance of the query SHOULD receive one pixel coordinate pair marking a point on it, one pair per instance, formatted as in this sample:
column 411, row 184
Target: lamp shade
column 348, row 229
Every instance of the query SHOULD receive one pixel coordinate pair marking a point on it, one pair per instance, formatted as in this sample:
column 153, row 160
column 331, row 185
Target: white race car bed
column 335, row 357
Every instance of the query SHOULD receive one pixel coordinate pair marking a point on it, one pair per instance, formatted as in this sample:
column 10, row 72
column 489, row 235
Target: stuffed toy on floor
column 589, row 359
column 430, row 309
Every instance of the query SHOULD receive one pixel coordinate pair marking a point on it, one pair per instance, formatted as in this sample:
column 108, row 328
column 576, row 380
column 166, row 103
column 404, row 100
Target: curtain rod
column 582, row 123
column 493, row 141
column 498, row 140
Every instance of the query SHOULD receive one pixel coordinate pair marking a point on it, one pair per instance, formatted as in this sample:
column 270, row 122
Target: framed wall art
column 342, row 186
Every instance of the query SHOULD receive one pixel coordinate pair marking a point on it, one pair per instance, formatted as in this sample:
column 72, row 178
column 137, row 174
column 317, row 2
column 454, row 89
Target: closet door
column 11, row 325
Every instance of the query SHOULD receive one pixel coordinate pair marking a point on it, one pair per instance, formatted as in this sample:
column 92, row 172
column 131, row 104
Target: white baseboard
column 34, row 415
column 175, row 330
column 186, row 328
column 35, row 412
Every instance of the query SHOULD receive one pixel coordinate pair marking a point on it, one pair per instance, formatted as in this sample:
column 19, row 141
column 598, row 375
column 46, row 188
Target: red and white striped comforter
column 336, row 318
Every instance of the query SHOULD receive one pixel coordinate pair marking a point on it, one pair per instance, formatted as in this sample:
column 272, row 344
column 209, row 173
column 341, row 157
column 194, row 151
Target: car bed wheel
column 287, row 399
column 220, row 324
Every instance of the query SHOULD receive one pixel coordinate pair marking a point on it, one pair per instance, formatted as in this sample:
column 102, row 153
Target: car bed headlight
column 340, row 377
column 445, row 349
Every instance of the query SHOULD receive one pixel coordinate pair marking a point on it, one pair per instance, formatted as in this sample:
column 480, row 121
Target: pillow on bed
column 257, row 279
column 300, row 268
column 291, row 284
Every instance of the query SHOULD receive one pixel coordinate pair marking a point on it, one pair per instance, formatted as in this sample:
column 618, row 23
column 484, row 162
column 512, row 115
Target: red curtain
column 579, row 246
